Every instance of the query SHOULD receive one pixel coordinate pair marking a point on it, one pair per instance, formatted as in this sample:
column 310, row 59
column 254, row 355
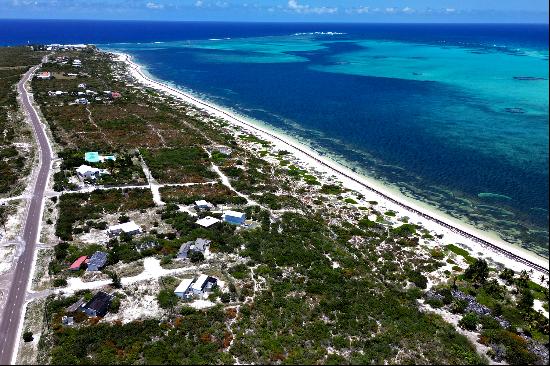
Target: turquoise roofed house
column 94, row 157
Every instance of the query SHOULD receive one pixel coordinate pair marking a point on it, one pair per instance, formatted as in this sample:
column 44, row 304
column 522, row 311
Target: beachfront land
column 314, row 273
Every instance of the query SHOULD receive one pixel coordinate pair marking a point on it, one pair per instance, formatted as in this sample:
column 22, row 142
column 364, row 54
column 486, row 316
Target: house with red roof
column 78, row 263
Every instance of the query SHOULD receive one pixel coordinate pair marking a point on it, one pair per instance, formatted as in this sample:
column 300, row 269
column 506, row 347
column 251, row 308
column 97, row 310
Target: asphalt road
column 12, row 313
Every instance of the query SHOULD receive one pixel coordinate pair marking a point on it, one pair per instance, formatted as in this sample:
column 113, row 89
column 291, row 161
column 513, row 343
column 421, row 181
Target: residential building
column 182, row 291
column 199, row 245
column 203, row 284
column 88, row 172
column 130, row 228
column 234, row 217
column 98, row 305
column 97, row 261
column 44, row 75
column 76, row 306
column 207, row 221
column 203, row 205
column 83, row 101
column 77, row 264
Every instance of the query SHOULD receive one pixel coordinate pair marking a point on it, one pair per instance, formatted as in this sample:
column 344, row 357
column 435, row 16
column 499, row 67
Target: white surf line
column 514, row 253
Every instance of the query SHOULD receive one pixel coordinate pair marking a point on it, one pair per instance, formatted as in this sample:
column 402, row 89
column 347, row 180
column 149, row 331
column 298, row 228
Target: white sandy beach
column 453, row 230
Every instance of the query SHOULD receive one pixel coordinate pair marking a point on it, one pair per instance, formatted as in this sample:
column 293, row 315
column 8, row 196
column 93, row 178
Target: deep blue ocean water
column 454, row 115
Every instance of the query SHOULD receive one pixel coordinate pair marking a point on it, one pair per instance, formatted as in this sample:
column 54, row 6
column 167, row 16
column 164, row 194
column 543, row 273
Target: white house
column 77, row 63
column 182, row 291
column 203, row 205
column 203, row 284
column 88, row 172
column 81, row 101
column 207, row 221
column 130, row 228
column 234, row 217
column 44, row 75
column 82, row 86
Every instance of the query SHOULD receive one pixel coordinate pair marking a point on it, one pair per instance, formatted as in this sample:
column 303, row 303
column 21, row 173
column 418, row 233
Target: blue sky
column 284, row 10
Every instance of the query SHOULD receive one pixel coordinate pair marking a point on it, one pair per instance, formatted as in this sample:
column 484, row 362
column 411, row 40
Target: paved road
column 11, row 314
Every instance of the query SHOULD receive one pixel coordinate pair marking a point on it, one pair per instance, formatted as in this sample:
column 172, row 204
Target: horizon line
column 272, row 22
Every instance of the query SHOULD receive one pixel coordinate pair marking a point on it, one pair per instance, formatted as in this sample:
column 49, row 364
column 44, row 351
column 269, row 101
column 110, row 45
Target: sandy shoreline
column 453, row 230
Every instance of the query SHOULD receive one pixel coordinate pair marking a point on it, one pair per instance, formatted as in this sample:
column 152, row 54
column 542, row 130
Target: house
column 184, row 250
column 77, row 63
column 182, row 291
column 82, row 86
column 88, row 172
column 234, row 217
column 76, row 306
column 97, row 261
column 203, row 205
column 207, row 221
column 44, row 75
column 199, row 245
column 98, row 305
column 115, row 95
column 203, row 284
column 90, row 92
column 78, row 263
column 130, row 228
column 81, row 101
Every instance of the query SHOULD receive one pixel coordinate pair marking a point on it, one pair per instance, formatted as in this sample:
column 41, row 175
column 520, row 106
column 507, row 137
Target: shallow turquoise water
column 462, row 125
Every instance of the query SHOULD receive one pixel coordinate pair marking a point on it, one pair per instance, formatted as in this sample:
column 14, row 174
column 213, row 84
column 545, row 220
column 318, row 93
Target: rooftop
column 127, row 227
column 207, row 221
column 184, row 285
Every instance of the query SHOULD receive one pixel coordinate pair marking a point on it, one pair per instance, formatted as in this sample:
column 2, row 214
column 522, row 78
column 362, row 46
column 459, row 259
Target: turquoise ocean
column 455, row 116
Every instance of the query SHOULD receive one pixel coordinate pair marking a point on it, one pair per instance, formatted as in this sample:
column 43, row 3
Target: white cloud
column 407, row 10
column 294, row 6
column 358, row 10
column 450, row 10
column 390, row 10
column 199, row 3
column 152, row 5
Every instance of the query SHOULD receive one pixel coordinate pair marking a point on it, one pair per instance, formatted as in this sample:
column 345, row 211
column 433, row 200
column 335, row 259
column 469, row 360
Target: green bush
column 469, row 321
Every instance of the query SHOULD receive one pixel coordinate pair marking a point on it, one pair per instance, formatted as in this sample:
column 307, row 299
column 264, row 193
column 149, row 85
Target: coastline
column 454, row 231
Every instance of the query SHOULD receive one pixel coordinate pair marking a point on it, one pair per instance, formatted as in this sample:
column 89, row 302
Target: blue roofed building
column 234, row 217
column 97, row 261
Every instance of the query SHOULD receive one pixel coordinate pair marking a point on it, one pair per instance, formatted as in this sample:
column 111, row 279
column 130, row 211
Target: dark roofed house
column 184, row 250
column 199, row 245
column 98, row 305
column 97, row 261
